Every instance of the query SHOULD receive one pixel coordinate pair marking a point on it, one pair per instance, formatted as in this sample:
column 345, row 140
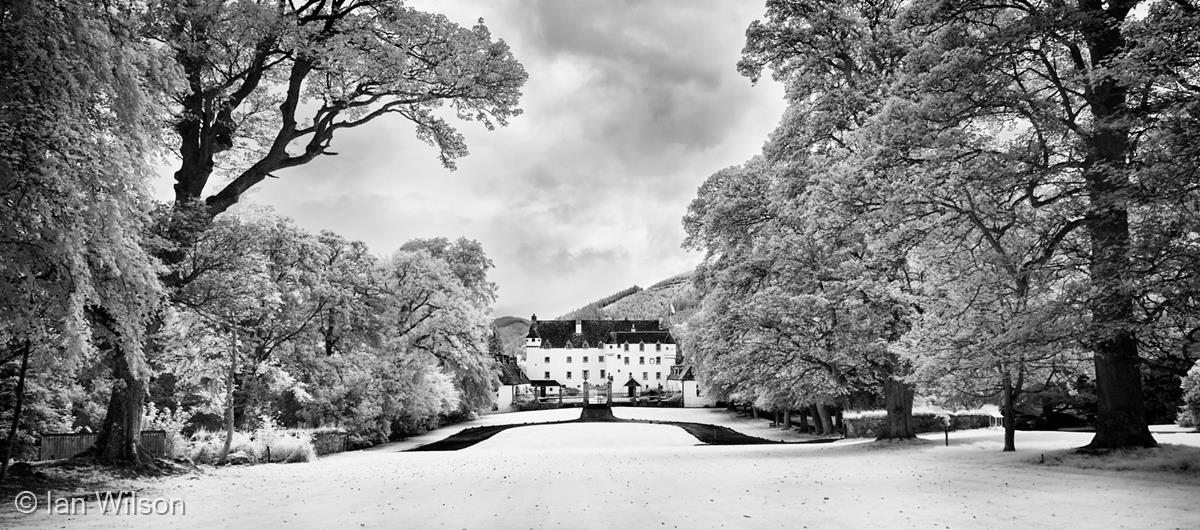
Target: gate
column 600, row 394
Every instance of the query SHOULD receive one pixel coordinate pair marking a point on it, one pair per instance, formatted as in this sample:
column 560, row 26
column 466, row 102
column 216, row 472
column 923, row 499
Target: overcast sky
column 629, row 106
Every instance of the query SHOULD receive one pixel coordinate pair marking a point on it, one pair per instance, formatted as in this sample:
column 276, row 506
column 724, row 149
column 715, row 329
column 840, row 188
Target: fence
column 56, row 446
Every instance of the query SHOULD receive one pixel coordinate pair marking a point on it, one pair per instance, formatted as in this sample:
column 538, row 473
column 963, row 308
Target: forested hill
column 672, row 300
column 512, row 331
column 595, row 310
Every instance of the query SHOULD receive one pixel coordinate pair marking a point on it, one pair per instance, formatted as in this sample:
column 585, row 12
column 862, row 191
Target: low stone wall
column 329, row 442
column 872, row 426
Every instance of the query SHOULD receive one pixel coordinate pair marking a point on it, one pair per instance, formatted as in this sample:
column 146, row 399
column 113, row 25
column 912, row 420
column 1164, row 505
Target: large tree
column 1076, row 99
column 1077, row 116
column 267, row 85
column 78, row 92
column 797, row 303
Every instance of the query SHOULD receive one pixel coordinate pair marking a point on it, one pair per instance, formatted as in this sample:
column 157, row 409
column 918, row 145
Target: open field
column 606, row 475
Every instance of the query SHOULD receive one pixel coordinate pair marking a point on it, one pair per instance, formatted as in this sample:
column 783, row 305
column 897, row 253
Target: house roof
column 635, row 337
column 512, row 375
column 631, row 382
column 682, row 372
column 561, row 333
column 544, row 382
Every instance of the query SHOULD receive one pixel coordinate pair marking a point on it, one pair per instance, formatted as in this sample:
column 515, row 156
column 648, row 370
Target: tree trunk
column 816, row 418
column 898, row 400
column 119, row 442
column 787, row 419
column 1010, row 412
column 229, row 400
column 826, row 423
column 1120, row 411
column 16, row 419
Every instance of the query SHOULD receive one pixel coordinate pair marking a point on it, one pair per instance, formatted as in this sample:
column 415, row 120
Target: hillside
column 651, row 303
column 595, row 310
column 672, row 299
column 512, row 331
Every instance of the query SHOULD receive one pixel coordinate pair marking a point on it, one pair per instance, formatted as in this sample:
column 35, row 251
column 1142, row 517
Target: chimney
column 578, row 326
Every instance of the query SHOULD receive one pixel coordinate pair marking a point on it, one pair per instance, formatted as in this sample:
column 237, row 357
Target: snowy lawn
column 617, row 475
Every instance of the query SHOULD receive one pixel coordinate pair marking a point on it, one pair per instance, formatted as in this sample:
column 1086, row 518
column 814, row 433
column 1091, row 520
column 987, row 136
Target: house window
column 658, row 375
column 585, row 360
column 547, row 376
column 626, row 346
column 641, row 360
column 601, row 358
column 568, row 375
column 645, row 376
column 601, row 374
column 547, row 360
column 585, row 375
column 641, row 346
column 627, row 360
column 658, row 346
column 568, row 358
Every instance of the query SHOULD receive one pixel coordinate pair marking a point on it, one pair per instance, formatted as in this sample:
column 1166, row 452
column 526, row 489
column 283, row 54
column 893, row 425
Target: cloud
column 630, row 105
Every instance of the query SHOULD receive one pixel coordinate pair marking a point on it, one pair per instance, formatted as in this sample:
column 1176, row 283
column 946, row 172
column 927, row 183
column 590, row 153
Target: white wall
column 504, row 396
column 694, row 397
column 649, row 366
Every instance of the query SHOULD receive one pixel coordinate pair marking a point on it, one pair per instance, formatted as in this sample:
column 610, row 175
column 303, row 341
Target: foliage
column 97, row 280
column 270, row 85
column 268, row 443
column 1005, row 189
column 1189, row 413
column 77, row 92
column 172, row 421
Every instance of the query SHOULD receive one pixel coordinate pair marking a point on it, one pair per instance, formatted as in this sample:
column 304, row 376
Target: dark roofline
column 560, row 333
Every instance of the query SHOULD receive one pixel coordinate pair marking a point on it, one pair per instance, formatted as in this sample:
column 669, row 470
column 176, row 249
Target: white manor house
column 636, row 356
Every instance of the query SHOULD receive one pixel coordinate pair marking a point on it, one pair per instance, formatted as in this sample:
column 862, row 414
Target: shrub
column 1185, row 418
column 1189, row 413
column 205, row 446
column 170, row 421
column 267, row 443
column 295, row 446
column 536, row 405
column 282, row 445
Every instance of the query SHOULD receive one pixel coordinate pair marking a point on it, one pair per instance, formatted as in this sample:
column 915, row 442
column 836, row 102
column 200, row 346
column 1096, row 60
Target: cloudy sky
column 629, row 106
